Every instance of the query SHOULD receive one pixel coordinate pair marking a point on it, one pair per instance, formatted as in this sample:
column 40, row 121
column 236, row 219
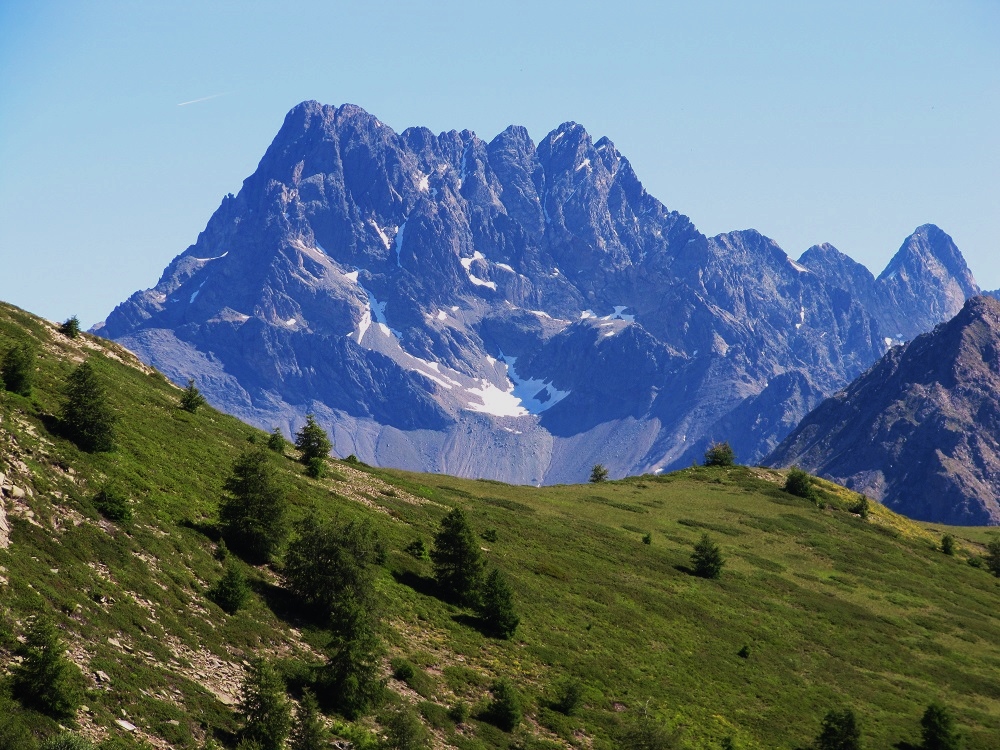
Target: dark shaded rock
column 919, row 430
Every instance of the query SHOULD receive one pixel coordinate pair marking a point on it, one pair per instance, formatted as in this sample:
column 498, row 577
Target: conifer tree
column 252, row 513
column 276, row 441
column 46, row 679
column 70, row 327
column 330, row 566
column 840, row 731
column 598, row 474
column 720, row 454
column 232, row 590
column 800, row 484
column 405, row 731
column 191, row 398
column 87, row 417
column 496, row 606
column 308, row 730
column 18, row 369
column 707, row 559
column 263, row 708
column 938, row 729
column 457, row 560
column 312, row 442
column 993, row 557
column 352, row 676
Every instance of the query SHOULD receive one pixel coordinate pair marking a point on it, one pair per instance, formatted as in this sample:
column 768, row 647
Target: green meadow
column 816, row 608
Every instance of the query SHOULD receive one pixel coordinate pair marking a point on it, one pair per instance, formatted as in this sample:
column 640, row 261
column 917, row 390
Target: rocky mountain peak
column 917, row 431
column 501, row 308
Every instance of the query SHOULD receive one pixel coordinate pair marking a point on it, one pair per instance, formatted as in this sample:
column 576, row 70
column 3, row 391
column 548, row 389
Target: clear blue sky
column 849, row 122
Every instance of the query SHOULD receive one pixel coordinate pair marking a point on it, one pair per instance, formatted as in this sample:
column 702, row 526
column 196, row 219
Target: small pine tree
column 417, row 548
column 276, row 441
column 87, row 418
column 263, row 709
column 191, row 398
column 496, row 606
column 312, row 442
column 800, row 484
column 18, row 368
column 568, row 696
column 352, row 676
column 252, row 513
column 506, row 709
column 862, row 507
column 938, row 729
column 599, row 473
column 70, row 327
column 458, row 562
column 113, row 504
column 308, row 730
column 405, row 731
column 316, row 468
column 46, row 679
column 232, row 590
column 840, row 731
column 948, row 544
column 707, row 559
column 720, row 454
column 992, row 558
column 646, row 732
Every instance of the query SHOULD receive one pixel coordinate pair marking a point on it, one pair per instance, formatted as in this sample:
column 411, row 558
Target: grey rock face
column 918, row 430
column 508, row 310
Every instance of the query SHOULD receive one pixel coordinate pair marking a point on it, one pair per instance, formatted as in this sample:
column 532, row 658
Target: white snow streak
column 797, row 267
column 381, row 234
column 399, row 243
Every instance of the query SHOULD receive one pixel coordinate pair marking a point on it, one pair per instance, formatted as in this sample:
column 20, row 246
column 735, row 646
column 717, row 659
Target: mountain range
column 512, row 310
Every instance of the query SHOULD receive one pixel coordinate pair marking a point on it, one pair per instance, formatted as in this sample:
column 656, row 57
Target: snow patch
column 196, row 292
column 534, row 395
column 467, row 265
column 482, row 282
column 496, row 402
column 587, row 314
column 467, row 262
column 290, row 322
column 505, row 267
column 798, row 267
column 382, row 234
column 585, row 164
column 618, row 314
column 399, row 243
column 442, row 315
column 206, row 260
column 352, row 276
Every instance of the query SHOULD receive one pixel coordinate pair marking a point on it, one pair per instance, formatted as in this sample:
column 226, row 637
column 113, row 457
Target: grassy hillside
column 816, row 608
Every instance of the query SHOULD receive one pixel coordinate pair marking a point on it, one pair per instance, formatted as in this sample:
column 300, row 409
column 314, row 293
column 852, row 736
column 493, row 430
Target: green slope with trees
column 175, row 578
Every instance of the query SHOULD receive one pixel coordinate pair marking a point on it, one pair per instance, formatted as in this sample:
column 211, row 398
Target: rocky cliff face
column 919, row 430
column 511, row 310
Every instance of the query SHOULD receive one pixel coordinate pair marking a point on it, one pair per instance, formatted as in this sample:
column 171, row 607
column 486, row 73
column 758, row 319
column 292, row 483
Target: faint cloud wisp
column 203, row 99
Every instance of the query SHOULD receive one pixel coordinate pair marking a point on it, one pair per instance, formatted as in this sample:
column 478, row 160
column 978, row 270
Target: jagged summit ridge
column 503, row 309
